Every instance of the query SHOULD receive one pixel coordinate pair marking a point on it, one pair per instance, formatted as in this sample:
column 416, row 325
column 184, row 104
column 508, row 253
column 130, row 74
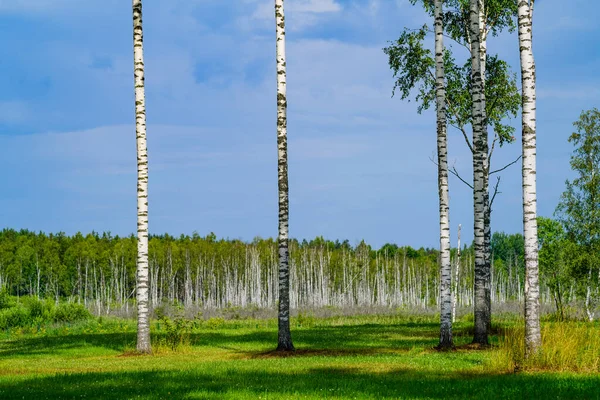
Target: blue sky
column 359, row 160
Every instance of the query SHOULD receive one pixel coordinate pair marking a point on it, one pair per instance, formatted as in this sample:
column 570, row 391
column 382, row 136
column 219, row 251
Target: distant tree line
column 98, row 270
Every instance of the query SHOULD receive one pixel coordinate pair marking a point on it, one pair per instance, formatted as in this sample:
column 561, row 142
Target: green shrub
column 14, row 317
column 71, row 312
column 6, row 300
column 178, row 331
column 38, row 310
column 215, row 322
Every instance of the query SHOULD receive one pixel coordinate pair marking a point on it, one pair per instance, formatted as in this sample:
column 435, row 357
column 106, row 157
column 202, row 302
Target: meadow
column 338, row 357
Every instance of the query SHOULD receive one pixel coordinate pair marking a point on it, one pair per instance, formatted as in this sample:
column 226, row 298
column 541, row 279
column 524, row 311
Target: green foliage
column 71, row 312
column 556, row 250
column 413, row 66
column 16, row 316
column 579, row 206
column 64, row 264
column 30, row 311
column 6, row 300
column 214, row 322
column 177, row 331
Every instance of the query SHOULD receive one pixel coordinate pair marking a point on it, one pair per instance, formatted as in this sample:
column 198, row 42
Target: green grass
column 338, row 358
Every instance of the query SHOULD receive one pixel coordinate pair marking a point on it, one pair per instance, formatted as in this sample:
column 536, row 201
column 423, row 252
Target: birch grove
column 143, row 325
column 284, row 334
column 442, row 150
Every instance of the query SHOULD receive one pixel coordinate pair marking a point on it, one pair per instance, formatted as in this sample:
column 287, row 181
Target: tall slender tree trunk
column 143, row 326
column 456, row 277
column 533, row 338
column 442, row 149
column 487, row 210
column 284, row 335
column 479, row 170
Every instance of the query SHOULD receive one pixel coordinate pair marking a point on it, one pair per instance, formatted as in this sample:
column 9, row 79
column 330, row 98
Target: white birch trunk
column 479, row 170
column 442, row 149
column 143, row 328
column 284, row 334
column 533, row 339
column 487, row 211
column 588, row 298
column 456, row 276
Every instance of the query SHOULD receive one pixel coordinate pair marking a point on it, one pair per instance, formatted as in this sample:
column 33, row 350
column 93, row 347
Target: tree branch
column 466, row 46
column 454, row 172
column 461, row 128
column 506, row 166
column 492, row 150
column 495, row 193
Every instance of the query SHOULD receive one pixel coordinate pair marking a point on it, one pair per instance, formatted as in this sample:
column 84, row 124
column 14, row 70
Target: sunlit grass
column 362, row 357
column 567, row 346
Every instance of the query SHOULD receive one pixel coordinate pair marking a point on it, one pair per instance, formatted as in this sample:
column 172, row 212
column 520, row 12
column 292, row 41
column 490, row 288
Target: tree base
column 285, row 347
column 445, row 347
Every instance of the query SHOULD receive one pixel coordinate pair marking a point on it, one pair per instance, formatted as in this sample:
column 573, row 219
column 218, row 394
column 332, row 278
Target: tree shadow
column 223, row 383
column 342, row 340
column 47, row 345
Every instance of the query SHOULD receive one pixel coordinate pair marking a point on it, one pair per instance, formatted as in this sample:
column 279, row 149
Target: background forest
column 98, row 271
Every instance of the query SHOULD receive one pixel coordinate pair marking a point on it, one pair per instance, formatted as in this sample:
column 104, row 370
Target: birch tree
column 284, row 334
column 143, row 326
column 533, row 337
column 479, row 166
column 442, row 150
column 412, row 65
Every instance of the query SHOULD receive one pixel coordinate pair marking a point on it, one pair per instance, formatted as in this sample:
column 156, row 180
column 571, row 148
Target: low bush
column 177, row 331
column 29, row 311
column 16, row 316
column 71, row 312
column 6, row 300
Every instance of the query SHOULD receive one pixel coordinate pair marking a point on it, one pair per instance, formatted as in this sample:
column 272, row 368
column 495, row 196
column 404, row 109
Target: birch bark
column 284, row 334
column 442, row 150
column 487, row 210
column 479, row 170
column 533, row 339
column 143, row 326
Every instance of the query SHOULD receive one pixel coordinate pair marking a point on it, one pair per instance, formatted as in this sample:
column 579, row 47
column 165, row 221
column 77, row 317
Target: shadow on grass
column 353, row 339
column 47, row 345
column 240, row 382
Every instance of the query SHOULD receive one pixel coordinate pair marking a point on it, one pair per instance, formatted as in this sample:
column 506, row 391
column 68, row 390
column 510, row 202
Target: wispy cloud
column 300, row 14
column 579, row 93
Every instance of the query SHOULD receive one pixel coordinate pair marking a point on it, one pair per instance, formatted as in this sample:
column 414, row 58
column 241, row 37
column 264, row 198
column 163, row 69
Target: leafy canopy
column 413, row 66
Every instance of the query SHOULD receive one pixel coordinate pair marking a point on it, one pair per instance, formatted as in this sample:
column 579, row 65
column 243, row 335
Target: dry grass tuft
column 566, row 346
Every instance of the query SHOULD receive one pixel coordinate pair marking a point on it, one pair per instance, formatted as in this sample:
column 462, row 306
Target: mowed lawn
column 338, row 358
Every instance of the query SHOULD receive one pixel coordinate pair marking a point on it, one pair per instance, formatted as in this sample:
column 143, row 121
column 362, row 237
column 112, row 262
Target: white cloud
column 299, row 14
column 265, row 9
column 570, row 93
